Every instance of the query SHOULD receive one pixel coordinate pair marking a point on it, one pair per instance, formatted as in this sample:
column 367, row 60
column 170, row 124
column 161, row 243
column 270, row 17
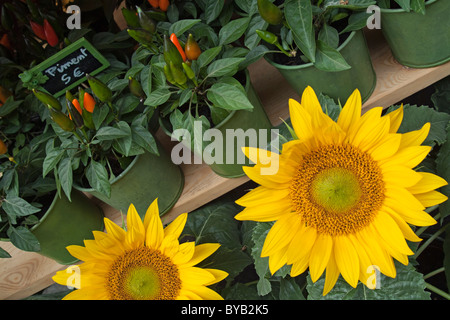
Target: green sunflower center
column 143, row 274
column 338, row 189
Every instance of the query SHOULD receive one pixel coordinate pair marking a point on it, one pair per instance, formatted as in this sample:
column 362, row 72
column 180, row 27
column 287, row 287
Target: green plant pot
column 147, row 177
column 417, row 40
column 226, row 165
column 67, row 223
column 337, row 85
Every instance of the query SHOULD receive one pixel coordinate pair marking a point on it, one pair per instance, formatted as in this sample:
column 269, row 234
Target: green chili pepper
column 76, row 116
column 136, row 88
column 178, row 74
column 131, row 18
column 87, row 119
column 61, row 119
column 270, row 12
column 145, row 21
column 157, row 15
column 168, row 74
column 171, row 53
column 271, row 38
column 101, row 90
column 190, row 73
column 140, row 35
column 47, row 99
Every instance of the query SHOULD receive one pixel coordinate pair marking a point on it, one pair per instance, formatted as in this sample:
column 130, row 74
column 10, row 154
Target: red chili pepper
column 164, row 4
column 154, row 3
column 175, row 41
column 4, row 41
column 50, row 34
column 38, row 30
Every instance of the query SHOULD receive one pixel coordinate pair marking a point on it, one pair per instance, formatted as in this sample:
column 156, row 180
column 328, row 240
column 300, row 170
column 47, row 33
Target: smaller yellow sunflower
column 144, row 262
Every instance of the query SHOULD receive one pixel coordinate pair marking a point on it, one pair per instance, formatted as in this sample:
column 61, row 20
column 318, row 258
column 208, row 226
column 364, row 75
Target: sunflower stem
column 430, row 240
column 437, row 291
column 433, row 273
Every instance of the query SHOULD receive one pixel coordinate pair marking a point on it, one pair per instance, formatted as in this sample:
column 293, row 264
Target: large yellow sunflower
column 143, row 262
column 344, row 194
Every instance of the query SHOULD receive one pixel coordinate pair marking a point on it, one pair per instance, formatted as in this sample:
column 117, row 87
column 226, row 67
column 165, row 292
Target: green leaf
column 23, row 239
column 4, row 253
column 228, row 96
column 18, row 207
column 51, row 159
column 290, row 290
column 97, row 177
column 110, row 133
column 182, row 26
column 99, row 115
column 329, row 36
column 224, row 67
column 407, row 285
column 158, row 97
column 404, row 4
column 446, row 248
column 66, row 176
column 298, row 14
column 207, row 56
column 233, row 30
column 443, row 170
column 261, row 264
column 415, row 117
column 356, row 21
column 212, row 10
column 144, row 138
column 329, row 59
column 123, row 144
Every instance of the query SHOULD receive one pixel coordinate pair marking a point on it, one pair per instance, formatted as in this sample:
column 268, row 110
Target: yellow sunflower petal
column 346, row 260
column 194, row 275
column 176, row 227
column 396, row 118
column 155, row 229
column 351, row 112
column 265, row 212
column 203, row 293
column 262, row 195
column 114, row 230
column 269, row 181
column 277, row 260
column 301, row 121
column 409, row 157
column 202, row 251
column 300, row 266
column 401, row 176
column 408, row 233
column 301, row 244
column 391, row 233
column 432, row 198
column 429, row 182
column 415, row 138
column 331, row 275
column 79, row 252
column 387, row 148
column 184, row 254
column 320, row 255
column 281, row 234
column 219, row 275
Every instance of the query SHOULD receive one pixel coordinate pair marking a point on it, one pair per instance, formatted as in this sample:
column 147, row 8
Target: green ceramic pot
column 417, row 40
column 232, row 159
column 147, row 177
column 67, row 223
column 337, row 85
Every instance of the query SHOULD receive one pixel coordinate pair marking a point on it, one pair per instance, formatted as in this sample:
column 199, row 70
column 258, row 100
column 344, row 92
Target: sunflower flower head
column 144, row 262
column 345, row 193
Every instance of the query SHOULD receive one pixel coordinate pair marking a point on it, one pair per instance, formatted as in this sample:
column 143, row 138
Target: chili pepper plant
column 191, row 61
column 98, row 130
column 310, row 31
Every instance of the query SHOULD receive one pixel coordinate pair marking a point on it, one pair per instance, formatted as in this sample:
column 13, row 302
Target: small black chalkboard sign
column 66, row 69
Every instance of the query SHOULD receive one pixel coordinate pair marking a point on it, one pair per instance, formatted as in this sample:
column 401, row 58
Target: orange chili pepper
column 77, row 106
column 5, row 42
column 164, row 4
column 88, row 102
column 3, row 147
column 4, row 95
column 154, row 3
column 191, row 48
column 175, row 41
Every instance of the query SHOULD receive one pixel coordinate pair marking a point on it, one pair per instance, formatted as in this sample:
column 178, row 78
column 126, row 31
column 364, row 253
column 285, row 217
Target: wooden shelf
column 27, row 273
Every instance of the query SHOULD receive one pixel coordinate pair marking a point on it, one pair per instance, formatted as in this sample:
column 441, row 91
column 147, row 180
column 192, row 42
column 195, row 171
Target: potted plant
column 104, row 147
column 199, row 81
column 320, row 44
column 35, row 216
column 417, row 31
